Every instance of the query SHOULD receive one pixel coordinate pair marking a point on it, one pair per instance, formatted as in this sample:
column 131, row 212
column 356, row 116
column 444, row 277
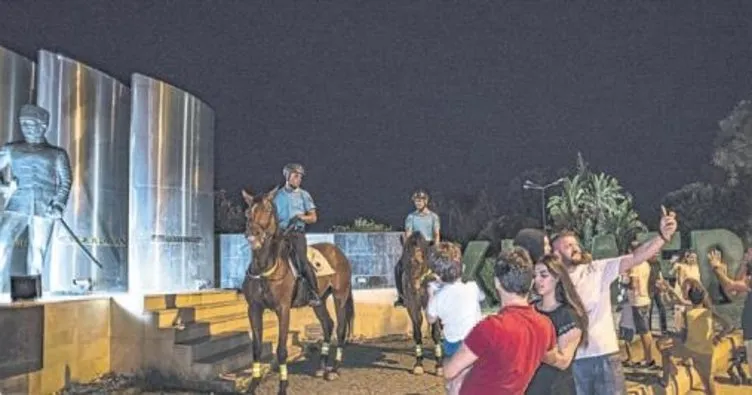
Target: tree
column 623, row 223
column 229, row 217
column 592, row 204
column 733, row 152
column 568, row 210
column 706, row 206
column 463, row 216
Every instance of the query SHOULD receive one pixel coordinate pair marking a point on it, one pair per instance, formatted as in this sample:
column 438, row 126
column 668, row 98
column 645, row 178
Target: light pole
column 531, row 185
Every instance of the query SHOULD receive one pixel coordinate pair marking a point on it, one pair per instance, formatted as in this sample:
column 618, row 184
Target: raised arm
column 654, row 245
column 720, row 269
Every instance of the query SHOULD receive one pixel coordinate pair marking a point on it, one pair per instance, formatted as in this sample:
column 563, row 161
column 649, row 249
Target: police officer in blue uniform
column 295, row 210
column 421, row 220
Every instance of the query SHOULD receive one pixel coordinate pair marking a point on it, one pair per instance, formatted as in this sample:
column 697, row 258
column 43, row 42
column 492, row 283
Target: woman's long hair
column 565, row 292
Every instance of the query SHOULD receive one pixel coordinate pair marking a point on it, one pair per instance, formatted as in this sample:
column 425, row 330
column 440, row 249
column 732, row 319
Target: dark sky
column 381, row 97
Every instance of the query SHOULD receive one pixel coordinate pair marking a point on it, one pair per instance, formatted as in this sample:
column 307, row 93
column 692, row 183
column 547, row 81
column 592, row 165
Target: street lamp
column 531, row 185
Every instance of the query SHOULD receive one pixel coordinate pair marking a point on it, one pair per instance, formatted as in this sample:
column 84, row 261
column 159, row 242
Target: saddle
column 319, row 263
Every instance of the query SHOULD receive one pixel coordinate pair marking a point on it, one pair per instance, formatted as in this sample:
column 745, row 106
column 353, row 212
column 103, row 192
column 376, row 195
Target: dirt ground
column 382, row 366
column 374, row 367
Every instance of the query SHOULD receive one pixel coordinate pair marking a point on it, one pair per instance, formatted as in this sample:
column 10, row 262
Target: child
column 697, row 337
column 455, row 303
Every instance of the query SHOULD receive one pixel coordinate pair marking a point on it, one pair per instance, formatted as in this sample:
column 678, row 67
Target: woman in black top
column 560, row 302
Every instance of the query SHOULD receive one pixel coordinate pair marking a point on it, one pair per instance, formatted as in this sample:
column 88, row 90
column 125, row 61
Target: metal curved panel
column 89, row 118
column 16, row 89
column 171, row 230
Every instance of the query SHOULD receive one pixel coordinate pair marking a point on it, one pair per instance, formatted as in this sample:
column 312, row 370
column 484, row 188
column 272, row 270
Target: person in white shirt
column 455, row 303
column 597, row 366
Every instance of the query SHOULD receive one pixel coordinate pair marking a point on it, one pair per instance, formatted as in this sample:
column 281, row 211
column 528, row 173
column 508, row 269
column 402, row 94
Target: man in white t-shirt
column 597, row 365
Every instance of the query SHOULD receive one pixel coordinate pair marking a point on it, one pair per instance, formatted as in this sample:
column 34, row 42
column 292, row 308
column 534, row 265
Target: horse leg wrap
column 283, row 372
column 256, row 370
column 418, row 350
column 338, row 355
column 438, row 351
column 325, row 349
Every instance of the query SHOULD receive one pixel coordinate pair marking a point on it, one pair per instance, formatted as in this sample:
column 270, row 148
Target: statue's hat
column 32, row 111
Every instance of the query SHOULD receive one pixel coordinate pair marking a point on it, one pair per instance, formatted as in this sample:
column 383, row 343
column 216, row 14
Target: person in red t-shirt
column 504, row 350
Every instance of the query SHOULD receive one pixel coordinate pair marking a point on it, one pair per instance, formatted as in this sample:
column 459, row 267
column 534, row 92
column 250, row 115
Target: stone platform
column 195, row 337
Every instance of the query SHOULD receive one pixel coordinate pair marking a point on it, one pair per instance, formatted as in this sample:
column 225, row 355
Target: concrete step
column 227, row 361
column 204, row 312
column 213, row 327
column 156, row 302
column 206, row 347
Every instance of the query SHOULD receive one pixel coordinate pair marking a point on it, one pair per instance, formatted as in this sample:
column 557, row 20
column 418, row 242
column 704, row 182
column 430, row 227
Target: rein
column 268, row 272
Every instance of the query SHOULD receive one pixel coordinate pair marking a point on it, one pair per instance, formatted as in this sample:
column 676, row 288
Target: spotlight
column 83, row 285
column 25, row 287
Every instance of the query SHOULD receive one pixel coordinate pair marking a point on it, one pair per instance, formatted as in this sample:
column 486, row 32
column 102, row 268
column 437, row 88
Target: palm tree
column 568, row 208
column 623, row 223
column 593, row 204
column 603, row 194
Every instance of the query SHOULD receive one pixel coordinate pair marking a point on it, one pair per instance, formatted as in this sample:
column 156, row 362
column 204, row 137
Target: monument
column 36, row 190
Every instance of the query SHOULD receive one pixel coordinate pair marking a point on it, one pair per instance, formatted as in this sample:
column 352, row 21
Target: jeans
column 657, row 301
column 601, row 375
column 450, row 348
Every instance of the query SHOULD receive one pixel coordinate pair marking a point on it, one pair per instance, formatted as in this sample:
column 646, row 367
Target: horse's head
column 415, row 251
column 261, row 218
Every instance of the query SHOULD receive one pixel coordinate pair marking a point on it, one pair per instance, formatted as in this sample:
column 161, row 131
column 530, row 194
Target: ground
column 381, row 366
column 371, row 367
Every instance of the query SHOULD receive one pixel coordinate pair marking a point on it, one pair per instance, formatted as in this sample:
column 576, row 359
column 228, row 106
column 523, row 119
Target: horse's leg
column 344, row 305
column 255, row 315
column 326, row 326
column 438, row 352
column 283, row 318
column 417, row 319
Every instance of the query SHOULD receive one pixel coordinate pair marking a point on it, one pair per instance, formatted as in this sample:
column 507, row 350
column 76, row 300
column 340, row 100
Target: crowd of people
column 555, row 332
column 558, row 335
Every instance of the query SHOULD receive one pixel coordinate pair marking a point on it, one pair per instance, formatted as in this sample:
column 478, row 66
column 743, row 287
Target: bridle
column 265, row 231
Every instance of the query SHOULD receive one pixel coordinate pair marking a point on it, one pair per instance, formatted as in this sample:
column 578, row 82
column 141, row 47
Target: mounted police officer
column 39, row 185
column 421, row 220
column 295, row 210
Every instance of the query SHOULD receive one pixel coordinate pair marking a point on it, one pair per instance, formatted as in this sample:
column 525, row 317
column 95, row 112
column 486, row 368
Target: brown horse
column 415, row 278
column 270, row 283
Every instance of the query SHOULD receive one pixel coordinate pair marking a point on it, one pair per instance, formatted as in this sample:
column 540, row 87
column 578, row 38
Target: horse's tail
column 349, row 315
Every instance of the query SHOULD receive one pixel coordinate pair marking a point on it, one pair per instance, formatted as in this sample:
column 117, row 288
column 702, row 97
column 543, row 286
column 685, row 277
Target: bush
column 361, row 224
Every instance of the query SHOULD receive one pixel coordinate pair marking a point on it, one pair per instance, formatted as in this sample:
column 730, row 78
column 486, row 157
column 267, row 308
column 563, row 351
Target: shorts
column 641, row 316
column 450, row 348
column 626, row 334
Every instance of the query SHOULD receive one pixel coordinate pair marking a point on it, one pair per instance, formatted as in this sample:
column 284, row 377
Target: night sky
column 379, row 98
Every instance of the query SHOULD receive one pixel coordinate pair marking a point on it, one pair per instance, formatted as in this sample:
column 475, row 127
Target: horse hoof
column 418, row 370
column 320, row 373
column 440, row 371
column 252, row 386
column 331, row 376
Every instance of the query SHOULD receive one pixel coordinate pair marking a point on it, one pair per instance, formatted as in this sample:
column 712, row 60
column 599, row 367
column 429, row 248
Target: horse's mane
column 413, row 242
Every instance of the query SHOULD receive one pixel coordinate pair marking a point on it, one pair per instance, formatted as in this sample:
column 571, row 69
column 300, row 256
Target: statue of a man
column 39, row 186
